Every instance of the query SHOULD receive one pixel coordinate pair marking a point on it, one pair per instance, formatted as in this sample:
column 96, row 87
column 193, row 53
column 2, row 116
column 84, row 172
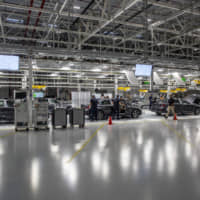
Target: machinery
column 77, row 117
column 21, row 110
column 40, row 111
column 59, row 117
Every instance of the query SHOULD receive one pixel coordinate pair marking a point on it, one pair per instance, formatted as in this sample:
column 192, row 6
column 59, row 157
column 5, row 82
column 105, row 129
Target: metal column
column 116, row 86
column 30, row 95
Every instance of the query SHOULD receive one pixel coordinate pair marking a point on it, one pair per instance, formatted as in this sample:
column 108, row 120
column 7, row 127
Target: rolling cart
column 40, row 114
column 21, row 110
column 21, row 115
column 59, row 118
column 77, row 117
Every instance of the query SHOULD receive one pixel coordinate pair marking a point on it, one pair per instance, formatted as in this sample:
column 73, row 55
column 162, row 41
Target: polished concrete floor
column 142, row 160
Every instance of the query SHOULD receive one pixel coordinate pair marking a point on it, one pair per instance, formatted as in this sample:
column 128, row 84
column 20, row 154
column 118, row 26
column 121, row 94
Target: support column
column 116, row 86
column 151, row 81
column 30, row 95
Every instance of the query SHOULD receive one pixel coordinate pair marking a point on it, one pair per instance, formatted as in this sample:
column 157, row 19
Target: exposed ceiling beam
column 57, row 17
column 172, row 7
column 115, row 16
column 87, row 17
column 2, row 30
column 160, row 22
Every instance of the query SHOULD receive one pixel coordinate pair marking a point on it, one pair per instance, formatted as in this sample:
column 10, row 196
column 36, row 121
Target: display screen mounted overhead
column 9, row 63
column 143, row 70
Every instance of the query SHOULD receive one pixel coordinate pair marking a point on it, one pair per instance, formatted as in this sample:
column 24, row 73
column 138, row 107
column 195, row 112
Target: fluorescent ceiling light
column 54, row 74
column 21, row 21
column 96, row 70
column 160, row 70
column 77, row 7
column 66, row 68
column 105, row 67
column 149, row 20
column 102, row 76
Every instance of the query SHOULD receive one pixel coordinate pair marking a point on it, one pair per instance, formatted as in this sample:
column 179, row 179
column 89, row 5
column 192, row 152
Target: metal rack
column 59, row 118
column 40, row 114
column 77, row 117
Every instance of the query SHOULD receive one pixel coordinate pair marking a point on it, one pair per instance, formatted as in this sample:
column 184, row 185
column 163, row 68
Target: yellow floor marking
column 86, row 143
column 9, row 134
column 177, row 133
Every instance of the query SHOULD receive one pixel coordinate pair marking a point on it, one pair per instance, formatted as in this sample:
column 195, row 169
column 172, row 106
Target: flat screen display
column 143, row 70
column 9, row 63
column 20, row 95
column 38, row 95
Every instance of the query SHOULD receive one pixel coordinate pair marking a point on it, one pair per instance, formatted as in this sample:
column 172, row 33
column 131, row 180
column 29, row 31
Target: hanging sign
column 163, row 91
column 144, row 91
column 39, row 87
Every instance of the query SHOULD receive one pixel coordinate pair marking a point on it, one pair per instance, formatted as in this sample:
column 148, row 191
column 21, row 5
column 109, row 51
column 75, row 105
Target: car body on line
column 182, row 107
column 105, row 109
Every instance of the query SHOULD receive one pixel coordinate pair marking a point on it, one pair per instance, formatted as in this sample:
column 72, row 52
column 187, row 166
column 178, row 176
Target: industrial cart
column 77, row 117
column 40, row 114
column 59, row 117
column 21, row 115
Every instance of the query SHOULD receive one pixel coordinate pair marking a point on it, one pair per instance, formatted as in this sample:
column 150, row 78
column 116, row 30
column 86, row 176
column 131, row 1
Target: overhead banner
column 131, row 77
column 157, row 79
column 178, row 79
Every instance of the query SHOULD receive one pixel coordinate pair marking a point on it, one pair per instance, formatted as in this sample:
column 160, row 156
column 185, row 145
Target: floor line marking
column 177, row 133
column 85, row 144
column 9, row 134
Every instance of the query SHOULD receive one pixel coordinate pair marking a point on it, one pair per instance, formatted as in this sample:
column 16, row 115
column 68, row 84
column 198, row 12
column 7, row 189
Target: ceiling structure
column 110, row 35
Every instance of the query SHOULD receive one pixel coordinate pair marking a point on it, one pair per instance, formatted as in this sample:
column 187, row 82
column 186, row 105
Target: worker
column 93, row 105
column 150, row 101
column 171, row 107
column 116, row 107
column 102, row 97
column 122, row 105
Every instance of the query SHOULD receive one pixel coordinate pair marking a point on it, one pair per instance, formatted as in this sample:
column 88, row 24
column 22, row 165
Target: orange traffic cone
column 110, row 121
column 175, row 118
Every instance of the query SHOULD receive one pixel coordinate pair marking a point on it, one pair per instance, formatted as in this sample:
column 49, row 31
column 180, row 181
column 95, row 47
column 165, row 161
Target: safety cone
column 110, row 121
column 175, row 118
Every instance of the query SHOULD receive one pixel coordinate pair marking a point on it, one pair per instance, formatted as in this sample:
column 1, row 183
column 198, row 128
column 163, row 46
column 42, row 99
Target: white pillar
column 30, row 95
column 116, row 86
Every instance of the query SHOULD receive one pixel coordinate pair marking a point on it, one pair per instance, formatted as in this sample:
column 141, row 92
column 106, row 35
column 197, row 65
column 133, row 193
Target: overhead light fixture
column 66, row 68
column 96, row 70
column 54, row 74
column 149, row 20
column 77, row 7
column 160, row 70
column 105, row 67
column 102, row 76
